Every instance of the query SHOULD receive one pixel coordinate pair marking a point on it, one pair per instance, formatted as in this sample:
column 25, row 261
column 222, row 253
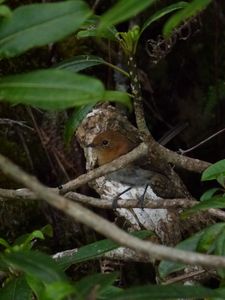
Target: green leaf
column 39, row 24
column 192, row 9
column 47, row 230
column 214, row 171
column 214, row 202
column 25, row 241
column 221, row 180
column 122, row 11
column 35, row 264
column 190, row 244
column 51, row 89
column 220, row 250
column 210, row 235
column 80, row 62
column 5, row 11
column 16, row 289
column 58, row 290
column 75, row 120
column 4, row 267
column 103, row 281
column 89, row 29
column 94, row 250
column 118, row 96
column 163, row 12
column 209, row 194
column 36, row 285
column 174, row 291
column 4, row 243
column 168, row 267
column 54, row 290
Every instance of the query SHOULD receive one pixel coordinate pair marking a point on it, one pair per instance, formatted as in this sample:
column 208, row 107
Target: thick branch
column 178, row 160
column 104, row 227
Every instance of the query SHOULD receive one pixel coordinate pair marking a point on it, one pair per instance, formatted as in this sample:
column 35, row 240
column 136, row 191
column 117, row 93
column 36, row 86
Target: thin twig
column 130, row 203
column 9, row 122
column 25, row 194
column 202, row 142
column 104, row 227
column 178, row 160
column 189, row 276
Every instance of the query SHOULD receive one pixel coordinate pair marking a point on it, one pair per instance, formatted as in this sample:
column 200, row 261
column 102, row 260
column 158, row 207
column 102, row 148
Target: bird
column 111, row 144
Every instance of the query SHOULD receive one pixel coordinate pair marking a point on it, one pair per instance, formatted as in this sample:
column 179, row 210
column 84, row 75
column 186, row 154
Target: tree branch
column 119, row 163
column 178, row 160
column 110, row 230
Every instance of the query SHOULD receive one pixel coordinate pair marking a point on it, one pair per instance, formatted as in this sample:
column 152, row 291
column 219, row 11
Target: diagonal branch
column 119, row 163
column 110, row 230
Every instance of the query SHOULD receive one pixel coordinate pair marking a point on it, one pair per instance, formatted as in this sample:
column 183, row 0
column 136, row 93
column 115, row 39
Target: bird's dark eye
column 105, row 142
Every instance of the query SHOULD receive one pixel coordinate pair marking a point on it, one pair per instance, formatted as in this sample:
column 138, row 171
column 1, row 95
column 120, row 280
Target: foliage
column 205, row 241
column 16, row 36
column 213, row 198
column 29, row 272
column 32, row 271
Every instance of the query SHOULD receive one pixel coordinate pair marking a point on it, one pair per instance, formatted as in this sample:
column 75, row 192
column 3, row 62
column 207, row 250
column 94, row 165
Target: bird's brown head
column 109, row 145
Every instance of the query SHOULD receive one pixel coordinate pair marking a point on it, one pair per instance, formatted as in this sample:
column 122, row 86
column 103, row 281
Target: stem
column 117, row 69
column 138, row 100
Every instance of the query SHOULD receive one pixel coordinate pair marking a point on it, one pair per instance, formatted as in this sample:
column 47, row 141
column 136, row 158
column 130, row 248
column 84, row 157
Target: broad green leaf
column 16, row 289
column 94, row 250
column 106, row 294
column 221, row 180
column 207, row 240
column 58, row 291
column 192, row 9
column 209, row 194
column 37, row 286
column 190, row 244
column 214, row 171
column 174, row 291
column 4, row 243
column 39, row 24
column 168, row 267
column 75, row 120
column 163, row 12
column 80, row 62
column 51, row 89
column 5, row 11
column 35, row 264
column 220, row 250
column 214, row 202
column 89, row 29
column 103, row 281
column 118, row 96
column 122, row 11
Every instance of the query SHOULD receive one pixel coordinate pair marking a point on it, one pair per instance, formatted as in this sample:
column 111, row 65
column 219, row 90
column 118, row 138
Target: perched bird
column 139, row 180
column 110, row 144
